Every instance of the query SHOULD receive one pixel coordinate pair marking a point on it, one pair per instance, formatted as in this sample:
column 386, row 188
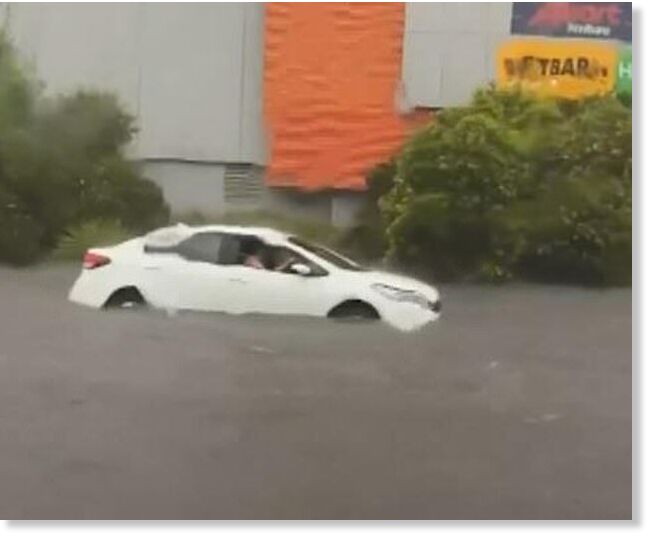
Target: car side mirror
column 300, row 269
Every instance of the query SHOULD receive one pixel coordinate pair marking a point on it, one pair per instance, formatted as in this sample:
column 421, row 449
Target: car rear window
column 166, row 238
column 202, row 247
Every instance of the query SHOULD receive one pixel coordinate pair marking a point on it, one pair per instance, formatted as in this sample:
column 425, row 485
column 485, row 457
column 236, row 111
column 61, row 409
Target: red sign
column 609, row 20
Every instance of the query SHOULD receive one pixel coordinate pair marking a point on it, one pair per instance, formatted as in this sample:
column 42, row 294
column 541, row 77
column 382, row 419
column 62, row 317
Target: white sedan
column 239, row 270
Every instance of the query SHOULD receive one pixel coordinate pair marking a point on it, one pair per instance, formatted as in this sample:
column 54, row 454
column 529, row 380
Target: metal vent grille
column 243, row 182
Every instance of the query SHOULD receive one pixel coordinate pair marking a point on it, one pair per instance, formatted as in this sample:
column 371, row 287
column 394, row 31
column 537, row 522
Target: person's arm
column 281, row 267
column 253, row 262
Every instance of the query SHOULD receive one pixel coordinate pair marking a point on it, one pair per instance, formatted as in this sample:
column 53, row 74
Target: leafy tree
column 516, row 185
column 17, row 89
column 20, row 234
column 579, row 226
column 367, row 238
column 62, row 162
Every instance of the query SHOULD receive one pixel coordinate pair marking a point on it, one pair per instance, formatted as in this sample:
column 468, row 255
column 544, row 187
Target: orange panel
column 331, row 77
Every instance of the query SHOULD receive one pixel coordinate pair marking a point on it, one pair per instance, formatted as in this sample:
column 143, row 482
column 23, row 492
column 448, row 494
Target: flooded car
column 237, row 270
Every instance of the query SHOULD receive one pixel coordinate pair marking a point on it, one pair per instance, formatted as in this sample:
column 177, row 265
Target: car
column 238, row 269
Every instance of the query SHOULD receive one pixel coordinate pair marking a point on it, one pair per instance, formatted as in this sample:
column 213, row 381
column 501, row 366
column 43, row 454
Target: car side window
column 230, row 249
column 235, row 248
column 201, row 247
column 279, row 259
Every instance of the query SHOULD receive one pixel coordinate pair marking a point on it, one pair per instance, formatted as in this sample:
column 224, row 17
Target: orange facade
column 331, row 76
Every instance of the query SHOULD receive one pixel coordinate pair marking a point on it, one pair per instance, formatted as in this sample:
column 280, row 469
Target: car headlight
column 401, row 294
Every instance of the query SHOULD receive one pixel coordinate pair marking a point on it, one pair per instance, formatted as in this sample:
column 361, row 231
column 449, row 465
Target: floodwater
column 515, row 405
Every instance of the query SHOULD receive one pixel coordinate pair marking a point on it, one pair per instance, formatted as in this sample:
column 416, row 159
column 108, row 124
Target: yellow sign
column 570, row 69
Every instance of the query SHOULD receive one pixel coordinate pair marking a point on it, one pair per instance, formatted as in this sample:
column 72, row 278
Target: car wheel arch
column 132, row 292
column 350, row 303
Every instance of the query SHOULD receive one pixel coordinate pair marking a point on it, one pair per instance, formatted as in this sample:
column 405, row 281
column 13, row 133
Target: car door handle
column 151, row 267
column 237, row 280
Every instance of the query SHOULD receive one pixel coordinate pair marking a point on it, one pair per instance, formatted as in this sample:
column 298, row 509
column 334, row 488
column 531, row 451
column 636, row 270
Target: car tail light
column 94, row 260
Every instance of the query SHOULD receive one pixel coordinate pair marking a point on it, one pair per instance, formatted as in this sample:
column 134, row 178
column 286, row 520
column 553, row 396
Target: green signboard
column 624, row 72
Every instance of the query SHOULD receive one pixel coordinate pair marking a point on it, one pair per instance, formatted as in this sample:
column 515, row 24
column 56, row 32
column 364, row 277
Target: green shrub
column 512, row 185
column 62, row 162
column 78, row 238
column 116, row 190
column 436, row 240
column 93, row 178
column 367, row 238
column 20, row 235
column 576, row 231
column 453, row 175
column 582, row 228
column 17, row 89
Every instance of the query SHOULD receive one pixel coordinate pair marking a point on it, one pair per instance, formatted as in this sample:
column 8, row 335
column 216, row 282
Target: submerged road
column 515, row 405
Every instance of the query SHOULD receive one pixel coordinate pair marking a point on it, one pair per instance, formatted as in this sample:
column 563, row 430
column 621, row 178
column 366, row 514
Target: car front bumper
column 410, row 316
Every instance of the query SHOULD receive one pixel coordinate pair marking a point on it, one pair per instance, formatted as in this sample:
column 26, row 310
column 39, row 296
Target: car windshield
column 328, row 255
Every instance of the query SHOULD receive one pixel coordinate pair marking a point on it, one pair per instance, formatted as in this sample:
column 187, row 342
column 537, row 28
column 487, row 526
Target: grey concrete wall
column 189, row 187
column 191, row 73
column 199, row 187
column 345, row 207
column 253, row 146
column 316, row 206
column 335, row 207
column 450, row 49
column 79, row 45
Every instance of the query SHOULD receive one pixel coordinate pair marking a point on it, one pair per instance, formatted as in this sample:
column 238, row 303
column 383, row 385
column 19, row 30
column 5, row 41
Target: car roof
column 265, row 233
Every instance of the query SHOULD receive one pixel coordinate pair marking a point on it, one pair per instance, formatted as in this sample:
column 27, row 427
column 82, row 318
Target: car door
column 270, row 291
column 205, row 273
column 192, row 275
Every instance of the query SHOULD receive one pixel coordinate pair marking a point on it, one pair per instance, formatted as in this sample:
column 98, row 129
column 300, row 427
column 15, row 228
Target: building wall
column 450, row 49
column 336, row 207
column 79, row 45
column 191, row 73
column 189, row 186
column 192, row 82
column 314, row 94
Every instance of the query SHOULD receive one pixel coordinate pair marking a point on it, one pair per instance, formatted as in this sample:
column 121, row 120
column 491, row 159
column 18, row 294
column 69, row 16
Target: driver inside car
column 253, row 261
column 251, row 253
column 283, row 266
column 279, row 259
